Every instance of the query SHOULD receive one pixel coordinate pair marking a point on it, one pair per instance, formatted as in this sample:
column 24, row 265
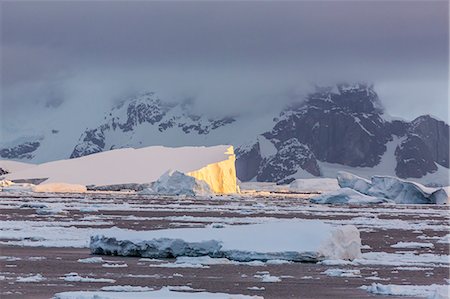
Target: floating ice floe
column 346, row 196
column 92, row 260
column 177, row 183
column 74, row 277
column 395, row 189
column 412, row 245
column 343, row 272
column 31, row 278
column 429, row 291
column 164, row 293
column 294, row 240
column 127, row 288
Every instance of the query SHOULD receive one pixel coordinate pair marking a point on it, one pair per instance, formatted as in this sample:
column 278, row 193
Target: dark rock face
column 146, row 109
column 248, row 163
column 414, row 158
column 3, row 171
column 21, row 151
column 344, row 128
column 291, row 156
column 345, row 125
column 435, row 134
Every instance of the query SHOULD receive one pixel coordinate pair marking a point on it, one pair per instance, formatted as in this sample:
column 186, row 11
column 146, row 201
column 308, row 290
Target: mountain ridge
column 345, row 125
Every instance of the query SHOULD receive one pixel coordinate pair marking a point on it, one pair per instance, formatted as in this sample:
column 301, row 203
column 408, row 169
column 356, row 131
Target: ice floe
column 430, row 291
column 164, row 293
column 412, row 245
column 300, row 240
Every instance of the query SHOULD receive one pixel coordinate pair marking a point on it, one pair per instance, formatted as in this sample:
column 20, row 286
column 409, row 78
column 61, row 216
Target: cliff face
column 346, row 126
column 220, row 176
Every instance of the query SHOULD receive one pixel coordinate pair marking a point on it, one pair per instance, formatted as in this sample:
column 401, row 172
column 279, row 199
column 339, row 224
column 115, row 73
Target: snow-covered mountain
column 343, row 127
column 139, row 121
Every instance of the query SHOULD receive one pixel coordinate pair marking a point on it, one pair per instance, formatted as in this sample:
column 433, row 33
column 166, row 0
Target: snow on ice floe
column 412, row 245
column 395, row 189
column 265, row 276
column 164, row 293
column 215, row 165
column 31, row 278
column 127, row 288
column 177, row 183
column 343, row 273
column 294, row 240
column 74, row 277
column 429, row 291
column 92, row 260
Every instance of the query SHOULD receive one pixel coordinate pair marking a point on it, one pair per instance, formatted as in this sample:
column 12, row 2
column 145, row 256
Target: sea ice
column 294, row 240
column 430, row 291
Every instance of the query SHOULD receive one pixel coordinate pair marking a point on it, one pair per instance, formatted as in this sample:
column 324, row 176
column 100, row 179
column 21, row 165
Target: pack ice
column 293, row 240
column 214, row 165
column 355, row 189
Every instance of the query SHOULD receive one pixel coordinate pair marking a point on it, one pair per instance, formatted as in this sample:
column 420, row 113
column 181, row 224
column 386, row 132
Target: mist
column 231, row 58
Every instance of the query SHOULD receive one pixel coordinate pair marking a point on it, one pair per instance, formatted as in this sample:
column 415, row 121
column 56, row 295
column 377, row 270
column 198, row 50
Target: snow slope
column 213, row 164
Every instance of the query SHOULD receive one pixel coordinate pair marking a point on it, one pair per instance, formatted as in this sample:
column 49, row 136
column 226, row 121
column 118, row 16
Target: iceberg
column 292, row 240
column 313, row 185
column 346, row 196
column 395, row 189
column 178, row 183
column 215, row 165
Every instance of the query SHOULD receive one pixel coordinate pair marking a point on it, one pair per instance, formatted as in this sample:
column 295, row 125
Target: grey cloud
column 225, row 54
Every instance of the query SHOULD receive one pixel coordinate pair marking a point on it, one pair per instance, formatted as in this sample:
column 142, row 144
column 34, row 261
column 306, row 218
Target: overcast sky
column 235, row 56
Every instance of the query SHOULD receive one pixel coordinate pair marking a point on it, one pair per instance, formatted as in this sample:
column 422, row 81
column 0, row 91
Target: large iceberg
column 178, row 183
column 215, row 165
column 346, row 196
column 294, row 240
column 394, row 189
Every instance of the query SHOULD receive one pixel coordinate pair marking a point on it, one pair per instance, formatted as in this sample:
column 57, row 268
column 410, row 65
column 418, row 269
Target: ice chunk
column 32, row 278
column 346, row 196
column 392, row 188
column 294, row 240
column 343, row 272
column 177, row 183
column 412, row 245
column 348, row 180
column 405, row 192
